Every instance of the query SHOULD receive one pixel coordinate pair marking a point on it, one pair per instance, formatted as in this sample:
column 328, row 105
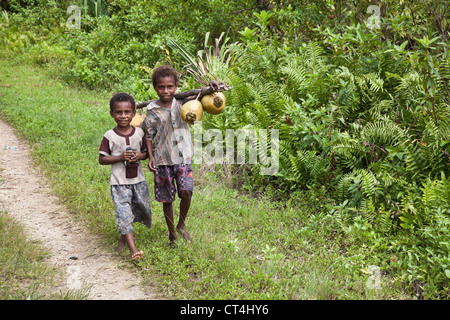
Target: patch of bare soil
column 26, row 196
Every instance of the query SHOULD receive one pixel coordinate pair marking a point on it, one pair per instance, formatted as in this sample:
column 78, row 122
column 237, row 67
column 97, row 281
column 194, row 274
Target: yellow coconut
column 214, row 103
column 137, row 120
column 191, row 111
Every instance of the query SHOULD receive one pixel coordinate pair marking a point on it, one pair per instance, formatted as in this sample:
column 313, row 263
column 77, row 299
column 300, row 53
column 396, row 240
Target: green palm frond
column 383, row 133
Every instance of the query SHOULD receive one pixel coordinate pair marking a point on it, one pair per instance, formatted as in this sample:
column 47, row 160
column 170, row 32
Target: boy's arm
column 139, row 156
column 108, row 160
column 151, row 159
column 105, row 157
column 149, row 129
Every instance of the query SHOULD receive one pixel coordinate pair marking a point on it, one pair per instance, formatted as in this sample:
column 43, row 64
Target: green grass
column 242, row 247
column 24, row 273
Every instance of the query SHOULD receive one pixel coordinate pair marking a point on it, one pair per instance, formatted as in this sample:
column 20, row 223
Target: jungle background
column 360, row 94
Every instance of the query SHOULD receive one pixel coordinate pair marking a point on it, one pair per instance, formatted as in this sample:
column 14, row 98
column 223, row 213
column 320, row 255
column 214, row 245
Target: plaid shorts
column 164, row 181
column 132, row 203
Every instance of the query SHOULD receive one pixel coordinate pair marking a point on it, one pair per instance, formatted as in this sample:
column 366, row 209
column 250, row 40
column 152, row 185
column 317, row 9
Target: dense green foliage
column 242, row 247
column 362, row 106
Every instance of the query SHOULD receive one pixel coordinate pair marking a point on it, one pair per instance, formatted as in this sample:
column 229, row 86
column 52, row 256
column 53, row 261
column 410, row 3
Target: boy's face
column 165, row 88
column 123, row 113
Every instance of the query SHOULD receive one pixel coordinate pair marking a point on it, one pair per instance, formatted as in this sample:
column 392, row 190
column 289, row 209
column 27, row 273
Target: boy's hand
column 127, row 156
column 151, row 163
column 137, row 157
column 214, row 84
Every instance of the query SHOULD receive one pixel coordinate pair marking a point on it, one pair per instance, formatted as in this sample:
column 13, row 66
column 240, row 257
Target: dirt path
column 27, row 197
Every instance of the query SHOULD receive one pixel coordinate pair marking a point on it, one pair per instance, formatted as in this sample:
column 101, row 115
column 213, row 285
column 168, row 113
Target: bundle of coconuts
column 213, row 103
column 208, row 99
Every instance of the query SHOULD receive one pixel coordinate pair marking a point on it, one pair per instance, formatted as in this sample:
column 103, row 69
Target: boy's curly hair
column 164, row 71
column 119, row 97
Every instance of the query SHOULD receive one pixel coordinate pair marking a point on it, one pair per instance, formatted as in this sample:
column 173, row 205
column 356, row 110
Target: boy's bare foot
column 172, row 238
column 137, row 255
column 182, row 230
column 121, row 243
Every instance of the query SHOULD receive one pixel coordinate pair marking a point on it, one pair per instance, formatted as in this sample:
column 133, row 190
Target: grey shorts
column 132, row 203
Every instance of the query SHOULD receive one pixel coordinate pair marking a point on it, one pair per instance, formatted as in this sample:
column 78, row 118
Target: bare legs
column 185, row 203
column 128, row 239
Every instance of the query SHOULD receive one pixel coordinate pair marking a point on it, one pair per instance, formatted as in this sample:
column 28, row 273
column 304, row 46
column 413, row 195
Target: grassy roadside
column 24, row 274
column 242, row 248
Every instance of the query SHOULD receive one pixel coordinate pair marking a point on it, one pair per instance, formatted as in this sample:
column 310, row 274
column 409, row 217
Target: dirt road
column 26, row 196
